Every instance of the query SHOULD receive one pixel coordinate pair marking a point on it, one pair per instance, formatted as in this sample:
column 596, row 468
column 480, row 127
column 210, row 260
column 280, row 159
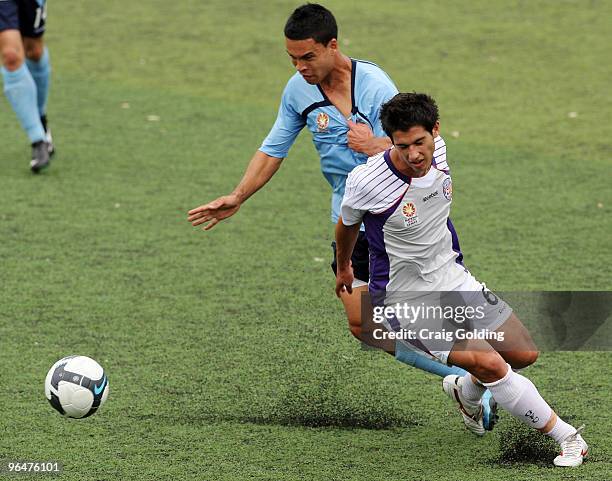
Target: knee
column 12, row 58
column 488, row 367
column 354, row 325
column 524, row 359
column 34, row 50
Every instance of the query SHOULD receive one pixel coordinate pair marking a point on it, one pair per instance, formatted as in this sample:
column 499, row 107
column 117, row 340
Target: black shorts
column 360, row 258
column 27, row 16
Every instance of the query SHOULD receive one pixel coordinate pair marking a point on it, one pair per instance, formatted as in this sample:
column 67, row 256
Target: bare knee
column 355, row 327
column 488, row 366
column 34, row 48
column 354, row 311
column 12, row 57
column 11, row 49
column 523, row 359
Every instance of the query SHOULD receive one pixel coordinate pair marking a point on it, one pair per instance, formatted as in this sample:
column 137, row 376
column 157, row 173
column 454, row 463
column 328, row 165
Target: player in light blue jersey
column 26, row 70
column 305, row 104
column 338, row 100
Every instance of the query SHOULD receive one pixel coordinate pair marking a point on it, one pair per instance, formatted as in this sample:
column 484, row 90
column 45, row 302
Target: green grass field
column 227, row 352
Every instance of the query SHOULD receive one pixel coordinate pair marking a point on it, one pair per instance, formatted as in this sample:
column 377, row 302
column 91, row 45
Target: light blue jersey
column 303, row 104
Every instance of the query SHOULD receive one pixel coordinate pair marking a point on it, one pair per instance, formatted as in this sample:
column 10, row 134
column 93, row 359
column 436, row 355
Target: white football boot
column 573, row 450
column 472, row 416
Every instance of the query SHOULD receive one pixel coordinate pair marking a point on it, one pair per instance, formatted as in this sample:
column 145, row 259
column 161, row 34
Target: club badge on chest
column 322, row 122
column 410, row 214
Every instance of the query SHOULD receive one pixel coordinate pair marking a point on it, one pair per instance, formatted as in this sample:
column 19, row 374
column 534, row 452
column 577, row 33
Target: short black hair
column 407, row 110
column 311, row 20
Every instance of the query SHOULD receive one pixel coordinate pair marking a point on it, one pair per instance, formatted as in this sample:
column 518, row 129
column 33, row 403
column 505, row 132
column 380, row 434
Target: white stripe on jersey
column 440, row 153
column 366, row 192
column 379, row 169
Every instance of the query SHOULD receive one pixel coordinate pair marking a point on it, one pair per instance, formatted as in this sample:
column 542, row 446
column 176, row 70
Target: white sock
column 470, row 391
column 561, row 430
column 517, row 395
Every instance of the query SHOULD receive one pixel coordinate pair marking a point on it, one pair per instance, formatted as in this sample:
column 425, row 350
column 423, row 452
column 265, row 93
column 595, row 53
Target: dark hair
column 407, row 110
column 311, row 21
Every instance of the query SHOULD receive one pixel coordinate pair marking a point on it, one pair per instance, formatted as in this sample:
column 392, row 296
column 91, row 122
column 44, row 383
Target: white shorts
column 435, row 321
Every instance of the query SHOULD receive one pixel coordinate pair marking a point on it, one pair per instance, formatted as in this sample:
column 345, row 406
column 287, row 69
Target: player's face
column 314, row 61
column 415, row 149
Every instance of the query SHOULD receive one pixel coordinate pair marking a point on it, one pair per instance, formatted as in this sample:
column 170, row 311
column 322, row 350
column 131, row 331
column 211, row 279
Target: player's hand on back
column 344, row 280
column 214, row 211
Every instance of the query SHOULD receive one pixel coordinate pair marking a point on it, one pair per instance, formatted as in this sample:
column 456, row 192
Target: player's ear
column 333, row 44
column 436, row 129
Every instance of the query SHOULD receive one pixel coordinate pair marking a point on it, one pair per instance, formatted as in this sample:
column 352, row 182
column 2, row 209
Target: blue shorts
column 27, row 16
column 360, row 258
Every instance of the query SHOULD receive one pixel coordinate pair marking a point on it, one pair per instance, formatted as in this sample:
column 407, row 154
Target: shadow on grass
column 301, row 406
column 328, row 401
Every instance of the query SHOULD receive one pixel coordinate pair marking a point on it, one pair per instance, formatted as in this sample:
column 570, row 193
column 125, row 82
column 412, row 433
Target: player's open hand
column 214, row 211
column 359, row 137
column 344, row 281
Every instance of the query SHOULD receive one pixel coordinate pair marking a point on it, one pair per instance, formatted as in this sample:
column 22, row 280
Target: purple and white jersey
column 407, row 226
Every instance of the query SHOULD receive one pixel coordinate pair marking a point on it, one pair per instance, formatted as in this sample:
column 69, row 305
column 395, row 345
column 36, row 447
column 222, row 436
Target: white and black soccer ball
column 76, row 386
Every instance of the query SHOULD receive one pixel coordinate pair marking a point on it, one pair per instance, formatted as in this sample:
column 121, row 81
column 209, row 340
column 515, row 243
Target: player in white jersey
column 404, row 202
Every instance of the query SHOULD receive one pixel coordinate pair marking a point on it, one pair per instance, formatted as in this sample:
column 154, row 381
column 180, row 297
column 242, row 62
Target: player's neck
column 340, row 74
column 401, row 166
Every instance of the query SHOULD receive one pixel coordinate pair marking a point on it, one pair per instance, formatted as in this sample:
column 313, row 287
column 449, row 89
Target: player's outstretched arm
column 346, row 237
column 361, row 139
column 260, row 170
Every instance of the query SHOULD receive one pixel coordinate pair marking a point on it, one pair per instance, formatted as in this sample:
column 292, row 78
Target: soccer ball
column 76, row 386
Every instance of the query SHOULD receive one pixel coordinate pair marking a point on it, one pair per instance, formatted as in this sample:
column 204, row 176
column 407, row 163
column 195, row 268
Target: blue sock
column 41, row 73
column 420, row 361
column 20, row 90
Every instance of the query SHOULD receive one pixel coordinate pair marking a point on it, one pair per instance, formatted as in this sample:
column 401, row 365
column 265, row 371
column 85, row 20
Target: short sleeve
column 350, row 214
column 285, row 129
column 440, row 154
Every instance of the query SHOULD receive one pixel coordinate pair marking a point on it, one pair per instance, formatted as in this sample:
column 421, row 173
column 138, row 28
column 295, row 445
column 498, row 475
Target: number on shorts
column 489, row 296
column 41, row 15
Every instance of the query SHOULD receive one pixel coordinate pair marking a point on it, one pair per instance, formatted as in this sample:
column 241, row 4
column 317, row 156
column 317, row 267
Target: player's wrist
column 238, row 196
column 378, row 144
column 343, row 267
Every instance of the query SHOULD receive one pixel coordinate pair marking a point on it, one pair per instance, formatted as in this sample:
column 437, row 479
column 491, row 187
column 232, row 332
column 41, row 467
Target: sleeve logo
column 447, row 189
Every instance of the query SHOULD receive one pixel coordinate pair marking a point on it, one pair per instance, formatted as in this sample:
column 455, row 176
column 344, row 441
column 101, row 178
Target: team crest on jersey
column 322, row 122
column 410, row 214
column 447, row 189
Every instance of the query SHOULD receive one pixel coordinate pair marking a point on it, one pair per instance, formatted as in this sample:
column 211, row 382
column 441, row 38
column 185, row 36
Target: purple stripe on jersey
column 379, row 259
column 455, row 238
column 405, row 178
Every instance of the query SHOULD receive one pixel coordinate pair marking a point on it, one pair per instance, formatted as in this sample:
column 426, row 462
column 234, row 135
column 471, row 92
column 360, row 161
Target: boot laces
column 572, row 446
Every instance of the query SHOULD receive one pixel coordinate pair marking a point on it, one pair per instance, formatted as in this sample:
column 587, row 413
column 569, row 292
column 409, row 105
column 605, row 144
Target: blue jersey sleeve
column 288, row 124
column 386, row 91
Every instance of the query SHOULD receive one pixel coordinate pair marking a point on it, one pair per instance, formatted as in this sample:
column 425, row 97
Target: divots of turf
column 519, row 443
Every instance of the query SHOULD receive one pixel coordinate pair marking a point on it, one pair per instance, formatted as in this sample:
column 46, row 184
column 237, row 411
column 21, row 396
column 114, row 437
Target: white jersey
column 407, row 226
